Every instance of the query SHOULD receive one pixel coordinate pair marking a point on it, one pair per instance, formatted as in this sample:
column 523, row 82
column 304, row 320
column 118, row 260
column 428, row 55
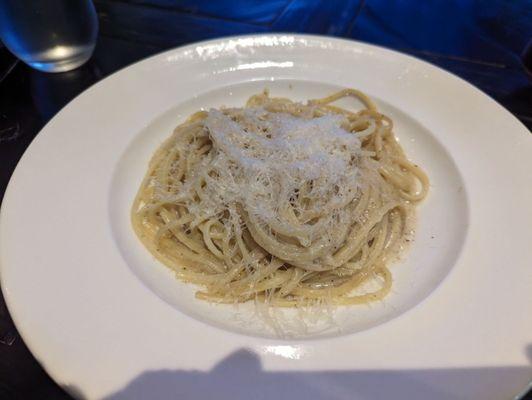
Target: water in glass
column 49, row 35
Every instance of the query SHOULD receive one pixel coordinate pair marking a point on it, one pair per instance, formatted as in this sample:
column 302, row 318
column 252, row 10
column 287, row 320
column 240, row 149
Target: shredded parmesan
column 261, row 160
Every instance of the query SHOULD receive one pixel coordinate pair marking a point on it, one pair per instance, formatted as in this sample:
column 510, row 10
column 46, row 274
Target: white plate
column 107, row 321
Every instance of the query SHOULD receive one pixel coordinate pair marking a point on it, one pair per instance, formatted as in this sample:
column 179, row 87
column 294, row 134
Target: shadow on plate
column 241, row 376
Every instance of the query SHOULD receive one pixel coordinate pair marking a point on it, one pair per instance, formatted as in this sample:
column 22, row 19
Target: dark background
column 484, row 42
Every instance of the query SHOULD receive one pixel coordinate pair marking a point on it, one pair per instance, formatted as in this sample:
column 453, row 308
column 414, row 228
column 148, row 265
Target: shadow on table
column 240, row 376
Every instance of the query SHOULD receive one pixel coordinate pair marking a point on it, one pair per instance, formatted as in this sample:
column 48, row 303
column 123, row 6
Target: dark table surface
column 482, row 41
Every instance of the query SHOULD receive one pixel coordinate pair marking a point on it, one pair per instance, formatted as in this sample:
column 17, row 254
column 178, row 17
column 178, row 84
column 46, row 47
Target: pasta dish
column 281, row 202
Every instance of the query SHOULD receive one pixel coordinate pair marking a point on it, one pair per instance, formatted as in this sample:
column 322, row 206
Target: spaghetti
column 282, row 202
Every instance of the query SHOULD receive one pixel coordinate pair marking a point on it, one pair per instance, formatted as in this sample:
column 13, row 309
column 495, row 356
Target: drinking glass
column 49, row 35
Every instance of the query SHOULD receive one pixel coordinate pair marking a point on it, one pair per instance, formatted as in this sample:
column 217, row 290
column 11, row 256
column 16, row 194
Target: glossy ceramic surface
column 70, row 273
